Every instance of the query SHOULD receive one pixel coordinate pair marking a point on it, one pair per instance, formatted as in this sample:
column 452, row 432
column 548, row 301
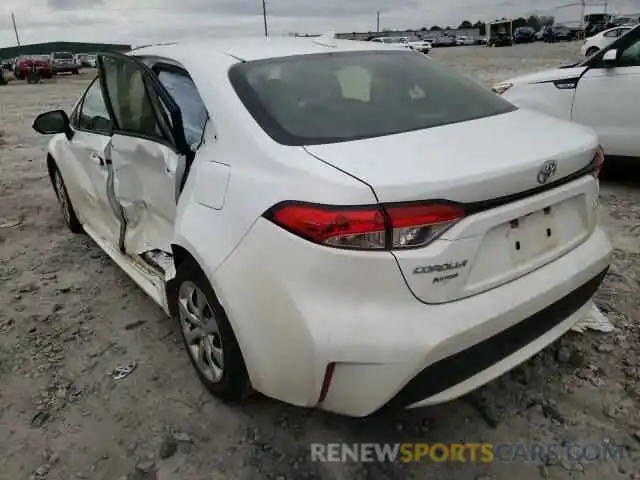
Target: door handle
column 98, row 160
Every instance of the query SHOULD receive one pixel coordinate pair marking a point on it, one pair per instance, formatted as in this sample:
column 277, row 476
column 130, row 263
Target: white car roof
column 629, row 27
column 247, row 49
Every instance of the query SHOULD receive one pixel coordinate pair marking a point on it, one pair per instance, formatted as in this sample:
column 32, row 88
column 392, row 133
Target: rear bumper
column 65, row 68
column 441, row 380
column 297, row 308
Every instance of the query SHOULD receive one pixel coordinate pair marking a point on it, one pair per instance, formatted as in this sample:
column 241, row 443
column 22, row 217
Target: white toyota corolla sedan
column 335, row 224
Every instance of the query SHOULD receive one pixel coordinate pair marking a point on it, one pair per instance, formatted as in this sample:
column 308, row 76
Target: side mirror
column 51, row 123
column 609, row 58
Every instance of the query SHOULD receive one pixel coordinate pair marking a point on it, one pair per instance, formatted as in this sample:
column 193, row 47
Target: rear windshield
column 336, row 97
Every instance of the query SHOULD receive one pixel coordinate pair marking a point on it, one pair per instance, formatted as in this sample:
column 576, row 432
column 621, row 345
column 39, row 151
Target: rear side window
column 185, row 94
column 336, row 97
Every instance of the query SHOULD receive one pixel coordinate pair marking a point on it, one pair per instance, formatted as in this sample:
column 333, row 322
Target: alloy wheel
column 201, row 331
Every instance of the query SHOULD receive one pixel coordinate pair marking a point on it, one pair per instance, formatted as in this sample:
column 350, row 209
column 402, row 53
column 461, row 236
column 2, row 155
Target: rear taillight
column 598, row 162
column 371, row 227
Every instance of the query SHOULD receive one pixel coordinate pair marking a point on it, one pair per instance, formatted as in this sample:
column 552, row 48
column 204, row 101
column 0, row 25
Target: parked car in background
column 599, row 93
column 420, row 45
column 524, row 35
column 64, row 62
column 397, row 41
column 501, row 39
column 601, row 40
column 558, row 33
column 465, row 40
column 23, row 66
column 445, row 41
column 398, row 255
column 92, row 60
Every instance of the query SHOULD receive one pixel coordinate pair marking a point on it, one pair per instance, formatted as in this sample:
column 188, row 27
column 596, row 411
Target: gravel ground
column 69, row 316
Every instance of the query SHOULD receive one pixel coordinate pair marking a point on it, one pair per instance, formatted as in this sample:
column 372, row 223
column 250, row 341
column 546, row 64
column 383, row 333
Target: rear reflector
column 370, row 227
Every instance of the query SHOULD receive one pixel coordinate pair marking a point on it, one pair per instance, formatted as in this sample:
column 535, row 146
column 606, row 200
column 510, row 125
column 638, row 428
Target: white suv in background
column 600, row 92
column 62, row 62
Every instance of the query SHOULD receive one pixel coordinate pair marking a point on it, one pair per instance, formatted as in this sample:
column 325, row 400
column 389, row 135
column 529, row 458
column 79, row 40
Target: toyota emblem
column 547, row 171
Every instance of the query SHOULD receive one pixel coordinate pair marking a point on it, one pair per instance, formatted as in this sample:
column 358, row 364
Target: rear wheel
column 74, row 72
column 68, row 213
column 207, row 334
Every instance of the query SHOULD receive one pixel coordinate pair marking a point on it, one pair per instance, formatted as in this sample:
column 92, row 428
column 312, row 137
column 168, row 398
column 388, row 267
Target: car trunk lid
column 494, row 167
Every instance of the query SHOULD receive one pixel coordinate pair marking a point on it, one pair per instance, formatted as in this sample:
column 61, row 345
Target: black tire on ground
column 592, row 51
column 234, row 385
column 74, row 72
column 68, row 213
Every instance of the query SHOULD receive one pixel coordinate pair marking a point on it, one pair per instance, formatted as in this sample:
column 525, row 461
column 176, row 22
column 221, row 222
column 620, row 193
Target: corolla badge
column 547, row 171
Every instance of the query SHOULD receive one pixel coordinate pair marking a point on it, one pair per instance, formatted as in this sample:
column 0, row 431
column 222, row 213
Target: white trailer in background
column 499, row 33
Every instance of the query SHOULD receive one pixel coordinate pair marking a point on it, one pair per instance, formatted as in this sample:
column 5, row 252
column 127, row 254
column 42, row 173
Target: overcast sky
column 141, row 21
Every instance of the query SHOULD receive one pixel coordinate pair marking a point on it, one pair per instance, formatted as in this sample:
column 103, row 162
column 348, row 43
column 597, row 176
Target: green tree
column 534, row 22
column 465, row 24
column 435, row 27
column 481, row 27
column 547, row 20
column 519, row 22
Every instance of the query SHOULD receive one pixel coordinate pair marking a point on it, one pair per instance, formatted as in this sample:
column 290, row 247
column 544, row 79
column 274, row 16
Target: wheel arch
column 180, row 256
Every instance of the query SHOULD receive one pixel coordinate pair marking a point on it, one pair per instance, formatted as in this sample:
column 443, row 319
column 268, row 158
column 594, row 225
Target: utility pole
column 15, row 29
column 606, row 3
column 378, row 22
column 264, row 16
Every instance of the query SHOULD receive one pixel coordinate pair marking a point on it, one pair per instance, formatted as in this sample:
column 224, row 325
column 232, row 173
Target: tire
column 592, row 51
column 227, row 379
column 74, row 72
column 68, row 212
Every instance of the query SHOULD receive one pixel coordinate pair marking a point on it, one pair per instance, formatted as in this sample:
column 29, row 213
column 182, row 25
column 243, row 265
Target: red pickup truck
column 23, row 66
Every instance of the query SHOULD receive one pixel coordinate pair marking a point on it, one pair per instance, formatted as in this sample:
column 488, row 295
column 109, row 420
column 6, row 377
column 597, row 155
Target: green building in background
column 50, row 47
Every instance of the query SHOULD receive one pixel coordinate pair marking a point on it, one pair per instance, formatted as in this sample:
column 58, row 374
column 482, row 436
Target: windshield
column 63, row 55
column 327, row 98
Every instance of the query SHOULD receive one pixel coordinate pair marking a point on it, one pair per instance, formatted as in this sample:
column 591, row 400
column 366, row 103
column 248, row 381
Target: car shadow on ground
column 622, row 171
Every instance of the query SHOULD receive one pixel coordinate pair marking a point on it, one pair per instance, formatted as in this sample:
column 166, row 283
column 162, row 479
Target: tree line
column 534, row 21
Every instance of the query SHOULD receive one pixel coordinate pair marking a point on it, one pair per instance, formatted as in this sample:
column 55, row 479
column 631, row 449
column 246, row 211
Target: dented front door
column 143, row 155
column 144, row 175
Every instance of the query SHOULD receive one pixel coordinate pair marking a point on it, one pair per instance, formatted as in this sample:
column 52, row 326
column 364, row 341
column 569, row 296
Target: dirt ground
column 69, row 317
